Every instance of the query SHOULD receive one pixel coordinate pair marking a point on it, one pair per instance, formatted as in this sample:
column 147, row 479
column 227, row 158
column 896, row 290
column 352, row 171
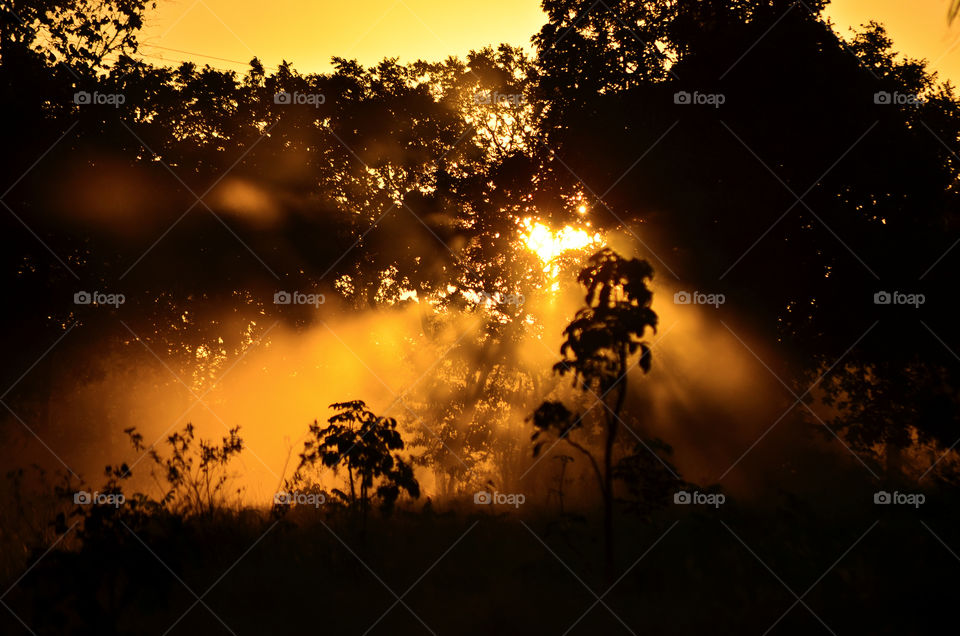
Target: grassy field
column 740, row 569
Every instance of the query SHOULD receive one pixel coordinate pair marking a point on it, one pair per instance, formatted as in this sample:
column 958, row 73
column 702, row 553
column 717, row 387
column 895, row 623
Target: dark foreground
column 858, row 568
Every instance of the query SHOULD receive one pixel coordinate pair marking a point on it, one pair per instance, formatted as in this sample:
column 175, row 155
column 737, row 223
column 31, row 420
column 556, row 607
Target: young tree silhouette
column 600, row 341
column 365, row 443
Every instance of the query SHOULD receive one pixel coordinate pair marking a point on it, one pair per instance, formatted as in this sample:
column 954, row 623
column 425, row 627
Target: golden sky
column 308, row 33
column 918, row 27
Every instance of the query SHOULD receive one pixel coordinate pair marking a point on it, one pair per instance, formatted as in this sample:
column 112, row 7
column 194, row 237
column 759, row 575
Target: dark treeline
column 468, row 146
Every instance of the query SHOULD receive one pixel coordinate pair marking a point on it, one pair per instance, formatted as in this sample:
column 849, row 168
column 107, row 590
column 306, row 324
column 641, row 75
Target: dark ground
column 789, row 569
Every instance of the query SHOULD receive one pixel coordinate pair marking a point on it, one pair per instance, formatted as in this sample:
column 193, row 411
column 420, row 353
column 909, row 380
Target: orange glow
column 308, row 34
column 918, row 29
column 548, row 244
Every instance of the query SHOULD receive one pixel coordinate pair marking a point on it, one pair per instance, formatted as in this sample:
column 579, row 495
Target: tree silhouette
column 878, row 180
column 365, row 444
column 600, row 341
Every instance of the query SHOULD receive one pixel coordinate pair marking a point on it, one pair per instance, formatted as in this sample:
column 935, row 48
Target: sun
column 549, row 244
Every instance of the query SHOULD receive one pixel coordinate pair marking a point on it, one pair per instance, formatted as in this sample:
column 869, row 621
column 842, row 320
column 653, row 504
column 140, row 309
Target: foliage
column 601, row 339
column 648, row 478
column 611, row 327
column 415, row 150
column 366, row 445
column 599, row 343
column 195, row 476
